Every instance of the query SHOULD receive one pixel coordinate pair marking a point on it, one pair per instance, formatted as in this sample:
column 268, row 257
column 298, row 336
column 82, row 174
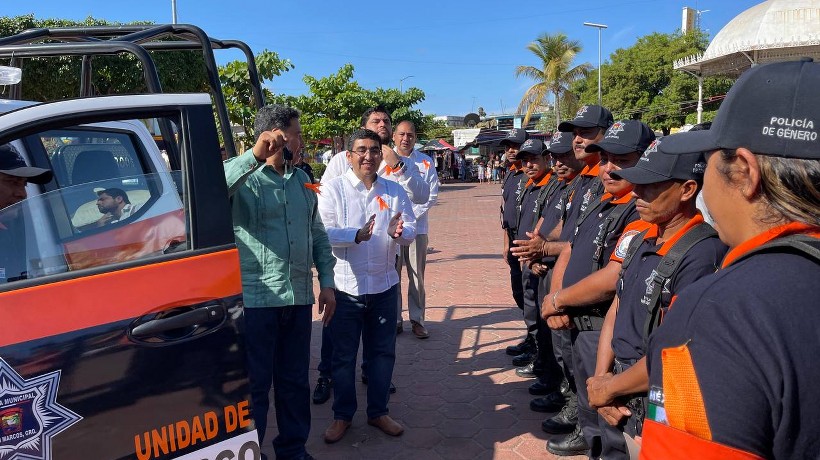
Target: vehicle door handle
column 209, row 314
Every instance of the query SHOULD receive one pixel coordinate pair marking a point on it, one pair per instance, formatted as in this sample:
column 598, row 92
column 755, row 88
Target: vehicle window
column 115, row 201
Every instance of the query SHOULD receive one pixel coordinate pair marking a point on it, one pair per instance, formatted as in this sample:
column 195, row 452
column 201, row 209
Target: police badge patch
column 29, row 414
column 623, row 244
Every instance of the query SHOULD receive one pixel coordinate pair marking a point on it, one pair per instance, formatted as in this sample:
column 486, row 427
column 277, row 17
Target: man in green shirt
column 280, row 237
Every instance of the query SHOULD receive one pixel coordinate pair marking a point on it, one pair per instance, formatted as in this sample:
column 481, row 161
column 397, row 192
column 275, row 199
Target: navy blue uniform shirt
column 583, row 241
column 529, row 209
column 753, row 333
column 634, row 287
column 554, row 208
column 587, row 191
column 510, row 189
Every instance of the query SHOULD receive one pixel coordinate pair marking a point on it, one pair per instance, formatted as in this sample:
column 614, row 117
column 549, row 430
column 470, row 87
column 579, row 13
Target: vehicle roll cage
column 136, row 40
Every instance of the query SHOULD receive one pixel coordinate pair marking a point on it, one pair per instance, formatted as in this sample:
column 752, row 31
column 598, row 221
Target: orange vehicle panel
column 118, row 295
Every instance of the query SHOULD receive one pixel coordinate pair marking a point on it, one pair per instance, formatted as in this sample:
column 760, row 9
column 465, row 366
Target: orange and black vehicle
column 120, row 334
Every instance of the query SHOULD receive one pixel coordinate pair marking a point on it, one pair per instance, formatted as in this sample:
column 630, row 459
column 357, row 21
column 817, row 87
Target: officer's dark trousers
column 562, row 350
column 551, row 373
column 529, row 295
column 277, row 341
column 585, row 354
column 515, row 279
column 613, row 444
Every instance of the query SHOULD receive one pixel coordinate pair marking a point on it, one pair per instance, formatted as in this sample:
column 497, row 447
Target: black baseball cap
column 560, row 144
column 655, row 166
column 588, row 116
column 13, row 164
column 515, row 136
column 624, row 137
column 772, row 109
column 532, row 147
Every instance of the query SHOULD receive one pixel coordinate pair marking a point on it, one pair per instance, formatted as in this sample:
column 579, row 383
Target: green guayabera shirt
column 278, row 232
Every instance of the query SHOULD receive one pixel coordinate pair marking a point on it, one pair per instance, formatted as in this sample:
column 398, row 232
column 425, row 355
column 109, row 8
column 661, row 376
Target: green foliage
column 55, row 78
column 437, row 130
column 554, row 74
column 708, row 115
column 318, row 169
column 639, row 82
column 236, row 87
column 335, row 103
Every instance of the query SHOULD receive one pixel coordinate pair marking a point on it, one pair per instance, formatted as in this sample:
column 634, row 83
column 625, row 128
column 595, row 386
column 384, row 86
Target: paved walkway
column 458, row 396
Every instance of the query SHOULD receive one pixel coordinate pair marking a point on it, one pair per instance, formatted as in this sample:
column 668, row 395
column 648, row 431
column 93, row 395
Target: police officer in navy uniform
column 733, row 369
column 540, row 185
column 511, row 189
column 553, row 346
column 588, row 127
column 671, row 232
column 583, row 283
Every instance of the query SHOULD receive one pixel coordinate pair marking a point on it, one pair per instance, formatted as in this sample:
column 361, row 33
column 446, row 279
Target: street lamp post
column 401, row 81
column 173, row 11
column 599, row 27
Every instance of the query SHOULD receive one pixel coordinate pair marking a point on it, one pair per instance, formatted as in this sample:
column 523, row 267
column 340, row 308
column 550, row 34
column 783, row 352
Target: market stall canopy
column 773, row 31
column 437, row 144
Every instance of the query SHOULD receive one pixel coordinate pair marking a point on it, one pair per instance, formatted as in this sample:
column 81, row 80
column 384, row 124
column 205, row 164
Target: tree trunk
column 557, row 110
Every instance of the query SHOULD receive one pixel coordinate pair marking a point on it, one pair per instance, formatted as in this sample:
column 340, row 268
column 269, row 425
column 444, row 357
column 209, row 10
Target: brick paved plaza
column 458, row 396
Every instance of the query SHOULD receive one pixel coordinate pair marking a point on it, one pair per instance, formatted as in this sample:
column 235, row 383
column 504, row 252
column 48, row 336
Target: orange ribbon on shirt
column 426, row 164
column 382, row 204
column 314, row 187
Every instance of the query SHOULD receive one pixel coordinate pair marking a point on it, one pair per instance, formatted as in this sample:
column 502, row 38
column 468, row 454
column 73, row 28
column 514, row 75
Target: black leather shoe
column 527, row 372
column 552, row 402
column 562, row 422
column 573, row 444
column 539, row 389
column 523, row 359
column 565, row 389
column 522, row 347
column 322, row 391
column 392, row 389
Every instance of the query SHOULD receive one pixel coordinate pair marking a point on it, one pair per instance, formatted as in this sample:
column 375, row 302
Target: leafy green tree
column 55, row 78
column 554, row 74
column 236, row 87
column 334, row 104
column 640, row 82
column 437, row 130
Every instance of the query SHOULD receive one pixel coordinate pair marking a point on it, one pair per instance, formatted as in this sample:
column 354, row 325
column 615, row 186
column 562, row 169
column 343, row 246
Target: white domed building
column 773, row 31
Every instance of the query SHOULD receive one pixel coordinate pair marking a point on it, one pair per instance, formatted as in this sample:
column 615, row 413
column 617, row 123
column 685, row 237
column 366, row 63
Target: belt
column 588, row 322
column 592, row 318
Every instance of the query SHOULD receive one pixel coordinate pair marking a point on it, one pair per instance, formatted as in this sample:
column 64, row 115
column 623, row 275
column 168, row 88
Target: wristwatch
column 398, row 166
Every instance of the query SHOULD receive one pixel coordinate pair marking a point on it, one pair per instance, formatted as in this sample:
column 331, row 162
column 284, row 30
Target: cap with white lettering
column 560, row 144
column 586, row 117
column 772, row 109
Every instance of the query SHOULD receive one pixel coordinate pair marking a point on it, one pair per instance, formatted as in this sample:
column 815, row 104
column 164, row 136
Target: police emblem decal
column 623, row 244
column 580, row 113
column 29, row 414
column 614, row 130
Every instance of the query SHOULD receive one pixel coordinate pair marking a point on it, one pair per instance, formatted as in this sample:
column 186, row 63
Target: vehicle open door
column 121, row 337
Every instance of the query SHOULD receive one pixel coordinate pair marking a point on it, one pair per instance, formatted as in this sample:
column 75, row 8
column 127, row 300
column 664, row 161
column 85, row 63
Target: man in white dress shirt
column 366, row 218
column 391, row 167
column 414, row 257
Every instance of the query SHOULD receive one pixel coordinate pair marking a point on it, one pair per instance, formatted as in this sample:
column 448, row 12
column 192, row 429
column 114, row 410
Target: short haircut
column 273, row 116
column 114, row 192
column 380, row 109
column 362, row 134
column 407, row 121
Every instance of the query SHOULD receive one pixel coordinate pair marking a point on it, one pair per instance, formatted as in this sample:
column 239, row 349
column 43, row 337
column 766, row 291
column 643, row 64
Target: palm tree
column 555, row 75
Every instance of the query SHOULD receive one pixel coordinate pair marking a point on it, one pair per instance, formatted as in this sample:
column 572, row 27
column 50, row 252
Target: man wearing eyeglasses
column 390, row 167
column 366, row 218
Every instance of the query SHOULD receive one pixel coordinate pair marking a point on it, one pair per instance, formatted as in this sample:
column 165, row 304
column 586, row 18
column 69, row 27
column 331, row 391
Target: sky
column 463, row 55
